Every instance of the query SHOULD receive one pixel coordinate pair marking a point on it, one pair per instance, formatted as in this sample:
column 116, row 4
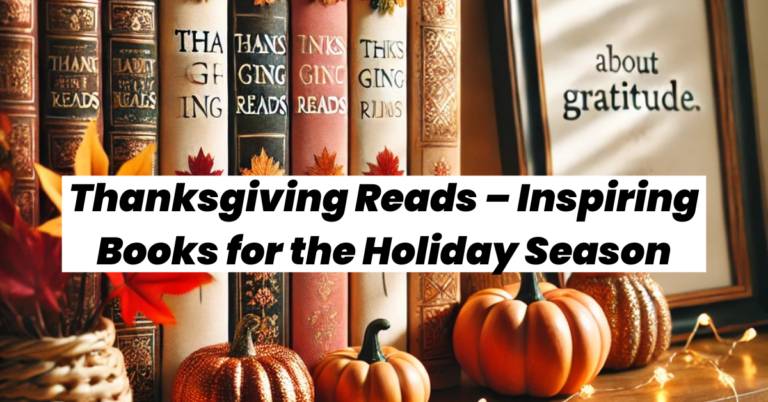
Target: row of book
column 315, row 87
column 318, row 87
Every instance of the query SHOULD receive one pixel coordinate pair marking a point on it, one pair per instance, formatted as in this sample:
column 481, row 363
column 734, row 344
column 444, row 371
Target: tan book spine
column 194, row 90
column 433, row 304
column 378, row 90
column 434, row 100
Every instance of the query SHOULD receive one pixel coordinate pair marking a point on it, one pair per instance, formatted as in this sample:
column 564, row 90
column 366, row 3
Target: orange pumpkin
column 243, row 372
column 518, row 340
column 641, row 325
column 371, row 373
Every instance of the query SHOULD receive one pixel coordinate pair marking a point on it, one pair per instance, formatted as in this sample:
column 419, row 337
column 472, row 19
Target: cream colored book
column 194, row 110
column 378, row 89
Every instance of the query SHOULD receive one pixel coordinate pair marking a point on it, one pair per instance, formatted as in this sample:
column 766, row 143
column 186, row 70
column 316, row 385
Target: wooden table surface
column 748, row 366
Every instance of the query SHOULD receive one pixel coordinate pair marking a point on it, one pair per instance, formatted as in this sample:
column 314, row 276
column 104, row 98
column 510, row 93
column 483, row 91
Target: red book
column 319, row 315
column 319, row 81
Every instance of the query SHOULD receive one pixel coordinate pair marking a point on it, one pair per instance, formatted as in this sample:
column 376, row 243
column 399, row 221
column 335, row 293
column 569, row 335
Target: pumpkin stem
column 529, row 288
column 371, row 350
column 242, row 345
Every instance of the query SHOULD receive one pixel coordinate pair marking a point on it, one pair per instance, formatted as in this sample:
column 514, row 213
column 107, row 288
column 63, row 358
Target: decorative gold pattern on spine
column 18, row 99
column 434, row 102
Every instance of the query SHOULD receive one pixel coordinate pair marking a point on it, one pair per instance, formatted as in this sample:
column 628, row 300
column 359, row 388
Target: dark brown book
column 140, row 344
column 70, row 72
column 18, row 99
column 259, row 87
column 130, row 67
column 265, row 294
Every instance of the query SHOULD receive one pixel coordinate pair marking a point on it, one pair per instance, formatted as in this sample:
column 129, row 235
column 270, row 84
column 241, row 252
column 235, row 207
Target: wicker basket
column 77, row 368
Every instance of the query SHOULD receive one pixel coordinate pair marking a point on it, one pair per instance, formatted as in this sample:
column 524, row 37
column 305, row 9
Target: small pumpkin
column 371, row 373
column 641, row 325
column 243, row 372
column 518, row 340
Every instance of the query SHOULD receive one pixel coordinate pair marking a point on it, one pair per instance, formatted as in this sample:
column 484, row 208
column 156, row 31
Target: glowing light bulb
column 587, row 391
column 749, row 335
column 662, row 376
column 704, row 319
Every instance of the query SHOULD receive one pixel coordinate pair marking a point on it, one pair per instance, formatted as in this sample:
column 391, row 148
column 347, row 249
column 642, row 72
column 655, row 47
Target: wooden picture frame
column 732, row 307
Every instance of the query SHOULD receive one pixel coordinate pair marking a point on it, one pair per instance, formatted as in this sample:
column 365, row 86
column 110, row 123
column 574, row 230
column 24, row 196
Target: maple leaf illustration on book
column 387, row 164
column 263, row 165
column 202, row 165
column 325, row 165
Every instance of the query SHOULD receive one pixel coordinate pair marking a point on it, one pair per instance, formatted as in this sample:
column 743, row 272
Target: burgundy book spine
column 319, row 315
column 319, row 105
column 18, row 100
column 70, row 84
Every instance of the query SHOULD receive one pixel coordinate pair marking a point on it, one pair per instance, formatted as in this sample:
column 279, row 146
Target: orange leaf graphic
column 387, row 165
column 143, row 292
column 325, row 165
column 263, row 165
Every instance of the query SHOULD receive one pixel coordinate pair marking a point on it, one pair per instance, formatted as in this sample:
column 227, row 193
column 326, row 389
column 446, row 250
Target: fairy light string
column 661, row 376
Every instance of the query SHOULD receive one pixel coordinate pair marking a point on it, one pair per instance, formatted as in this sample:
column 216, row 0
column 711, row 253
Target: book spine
column 434, row 103
column 202, row 319
column 319, row 315
column 259, row 126
column 319, row 122
column 193, row 70
column 265, row 294
column 140, row 344
column 130, row 79
column 70, row 85
column 433, row 304
column 374, row 295
column 19, row 101
column 378, row 90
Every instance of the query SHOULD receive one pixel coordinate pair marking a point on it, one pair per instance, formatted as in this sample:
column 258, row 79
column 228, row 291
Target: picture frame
column 518, row 34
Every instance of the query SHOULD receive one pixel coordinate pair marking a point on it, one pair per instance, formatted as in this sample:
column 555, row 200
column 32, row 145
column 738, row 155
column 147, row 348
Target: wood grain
column 748, row 366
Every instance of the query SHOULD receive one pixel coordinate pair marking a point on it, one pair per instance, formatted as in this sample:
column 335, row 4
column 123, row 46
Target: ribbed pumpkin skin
column 641, row 325
column 274, row 374
column 340, row 377
column 545, row 348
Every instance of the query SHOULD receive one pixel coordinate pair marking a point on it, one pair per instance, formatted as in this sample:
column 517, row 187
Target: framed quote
column 649, row 87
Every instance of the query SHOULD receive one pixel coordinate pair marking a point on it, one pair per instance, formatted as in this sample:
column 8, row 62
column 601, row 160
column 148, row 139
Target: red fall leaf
column 30, row 262
column 143, row 292
column 202, row 165
column 387, row 164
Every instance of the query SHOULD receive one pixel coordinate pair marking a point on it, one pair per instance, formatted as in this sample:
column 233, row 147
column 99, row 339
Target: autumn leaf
column 202, row 165
column 325, row 165
column 143, row 292
column 5, row 130
column 30, row 262
column 263, row 165
column 90, row 160
column 387, row 165
column 263, row 2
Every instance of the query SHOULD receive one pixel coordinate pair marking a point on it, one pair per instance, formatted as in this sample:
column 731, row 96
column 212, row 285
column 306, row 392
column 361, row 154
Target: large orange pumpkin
column 371, row 373
column 518, row 340
column 641, row 325
column 243, row 372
